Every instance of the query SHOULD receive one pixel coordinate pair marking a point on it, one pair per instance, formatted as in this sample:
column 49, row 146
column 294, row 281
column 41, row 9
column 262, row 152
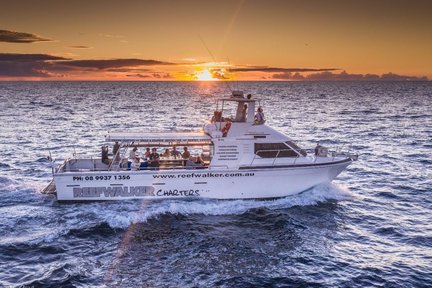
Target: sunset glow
column 205, row 75
column 278, row 40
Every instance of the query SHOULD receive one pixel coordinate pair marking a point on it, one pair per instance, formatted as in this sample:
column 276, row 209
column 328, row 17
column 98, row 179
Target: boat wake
column 59, row 220
column 122, row 215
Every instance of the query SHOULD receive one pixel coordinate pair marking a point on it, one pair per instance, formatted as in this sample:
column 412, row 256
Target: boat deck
column 86, row 165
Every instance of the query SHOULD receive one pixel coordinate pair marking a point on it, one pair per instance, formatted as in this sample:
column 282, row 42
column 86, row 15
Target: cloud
column 277, row 69
column 161, row 75
column 15, row 65
column 20, row 37
column 138, row 75
column 157, row 75
column 344, row 76
column 80, row 47
column 218, row 73
column 13, row 57
column 129, row 70
column 24, row 69
column 45, row 65
column 28, row 65
column 112, row 63
column 395, row 77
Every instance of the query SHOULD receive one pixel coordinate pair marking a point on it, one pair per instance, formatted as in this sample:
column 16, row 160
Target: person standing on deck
column 105, row 158
column 115, row 150
column 259, row 116
column 243, row 113
column 186, row 153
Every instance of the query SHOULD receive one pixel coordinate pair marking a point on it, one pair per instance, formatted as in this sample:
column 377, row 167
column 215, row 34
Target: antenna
column 236, row 83
column 208, row 50
column 214, row 60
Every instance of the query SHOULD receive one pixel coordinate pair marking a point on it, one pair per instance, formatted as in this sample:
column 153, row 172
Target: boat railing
column 332, row 153
column 277, row 151
column 63, row 168
column 166, row 168
column 119, row 155
column 60, row 168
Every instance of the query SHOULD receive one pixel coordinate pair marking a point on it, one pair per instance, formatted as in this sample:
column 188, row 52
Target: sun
column 204, row 75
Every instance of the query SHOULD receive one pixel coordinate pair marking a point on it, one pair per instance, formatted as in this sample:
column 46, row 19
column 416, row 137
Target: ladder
column 118, row 158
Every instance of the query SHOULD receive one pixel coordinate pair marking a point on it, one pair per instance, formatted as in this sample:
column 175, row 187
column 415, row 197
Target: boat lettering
column 176, row 192
column 100, row 177
column 123, row 191
column 205, row 175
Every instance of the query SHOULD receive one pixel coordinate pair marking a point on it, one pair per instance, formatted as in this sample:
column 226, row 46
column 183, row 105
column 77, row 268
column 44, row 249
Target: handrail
column 149, row 168
column 118, row 157
column 277, row 155
column 60, row 167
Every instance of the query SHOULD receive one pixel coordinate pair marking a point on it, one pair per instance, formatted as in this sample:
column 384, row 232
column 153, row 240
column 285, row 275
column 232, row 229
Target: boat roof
column 159, row 138
column 238, row 99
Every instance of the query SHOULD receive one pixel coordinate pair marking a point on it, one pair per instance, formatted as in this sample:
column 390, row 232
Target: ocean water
column 371, row 227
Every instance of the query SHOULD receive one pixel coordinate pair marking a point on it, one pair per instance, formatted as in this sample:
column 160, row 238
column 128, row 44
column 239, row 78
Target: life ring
column 209, row 128
column 225, row 129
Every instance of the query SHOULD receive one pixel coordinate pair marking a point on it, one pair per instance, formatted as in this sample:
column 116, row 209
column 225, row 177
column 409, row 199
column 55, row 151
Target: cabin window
column 296, row 148
column 273, row 150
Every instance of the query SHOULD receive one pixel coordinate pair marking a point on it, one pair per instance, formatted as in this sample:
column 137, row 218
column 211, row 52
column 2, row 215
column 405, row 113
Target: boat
column 237, row 157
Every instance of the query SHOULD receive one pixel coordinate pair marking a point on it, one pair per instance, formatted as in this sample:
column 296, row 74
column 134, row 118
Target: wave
column 8, row 184
column 54, row 275
column 43, row 220
column 123, row 215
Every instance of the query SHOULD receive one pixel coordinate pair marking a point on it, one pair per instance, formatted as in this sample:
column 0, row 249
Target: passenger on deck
column 317, row 148
column 243, row 113
column 132, row 153
column 154, row 159
column 136, row 163
column 259, row 116
column 175, row 153
column 217, row 116
column 194, row 163
column 320, row 150
column 166, row 153
column 147, row 153
column 186, row 153
column 105, row 158
column 199, row 161
column 115, row 150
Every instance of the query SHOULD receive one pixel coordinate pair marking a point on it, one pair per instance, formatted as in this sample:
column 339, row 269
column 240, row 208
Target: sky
column 215, row 40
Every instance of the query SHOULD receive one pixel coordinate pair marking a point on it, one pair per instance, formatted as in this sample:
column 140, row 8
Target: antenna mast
column 214, row 60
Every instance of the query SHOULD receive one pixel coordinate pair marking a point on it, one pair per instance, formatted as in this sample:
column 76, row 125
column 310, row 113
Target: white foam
column 121, row 216
column 57, row 220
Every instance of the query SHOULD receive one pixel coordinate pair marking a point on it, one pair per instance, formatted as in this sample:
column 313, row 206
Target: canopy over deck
column 160, row 139
column 236, row 99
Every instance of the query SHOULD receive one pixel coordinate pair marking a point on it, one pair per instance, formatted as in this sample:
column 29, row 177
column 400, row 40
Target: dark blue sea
column 370, row 227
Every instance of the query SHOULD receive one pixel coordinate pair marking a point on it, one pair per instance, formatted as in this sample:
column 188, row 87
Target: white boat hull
column 197, row 183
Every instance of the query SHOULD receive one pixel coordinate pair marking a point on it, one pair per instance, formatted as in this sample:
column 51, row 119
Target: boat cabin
column 235, row 137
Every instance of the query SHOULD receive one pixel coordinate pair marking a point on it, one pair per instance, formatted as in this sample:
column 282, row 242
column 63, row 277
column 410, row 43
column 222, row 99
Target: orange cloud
column 344, row 76
column 45, row 66
column 20, row 37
